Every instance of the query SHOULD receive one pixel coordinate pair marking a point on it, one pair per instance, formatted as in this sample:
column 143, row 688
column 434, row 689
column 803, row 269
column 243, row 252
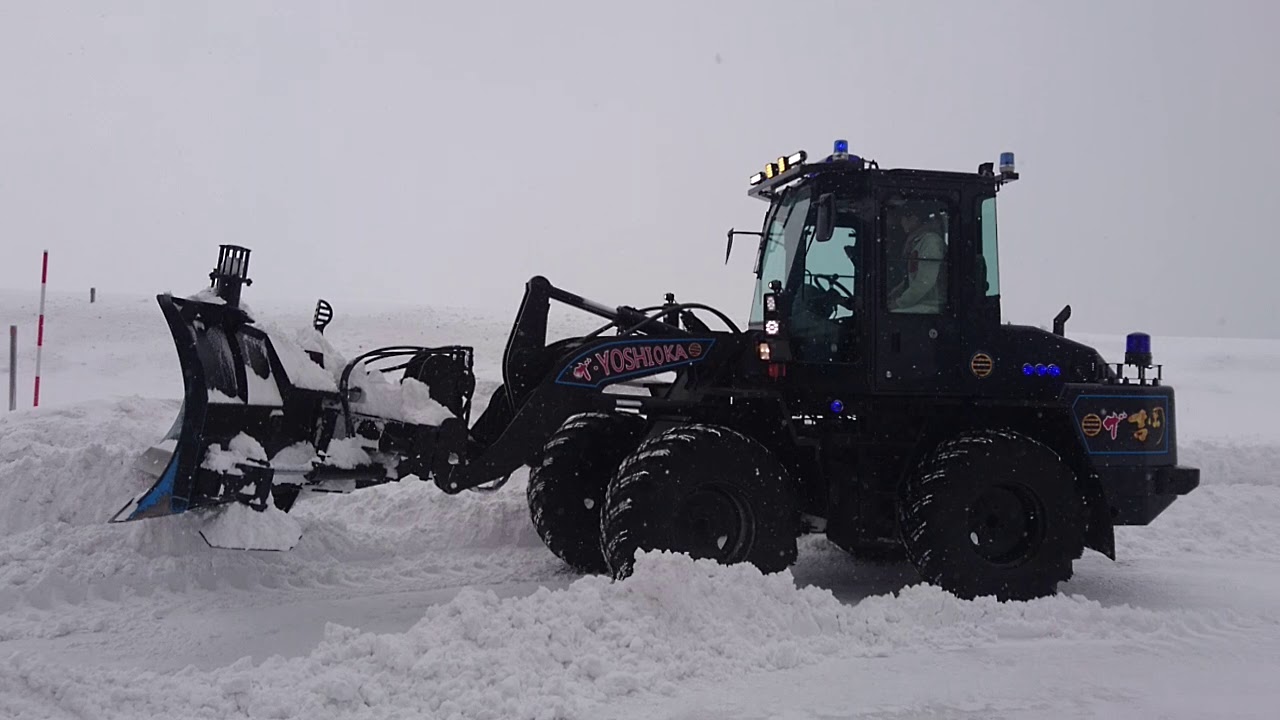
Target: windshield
column 778, row 247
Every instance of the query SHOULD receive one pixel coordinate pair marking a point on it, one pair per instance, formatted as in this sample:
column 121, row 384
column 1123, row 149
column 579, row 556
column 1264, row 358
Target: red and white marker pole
column 44, row 281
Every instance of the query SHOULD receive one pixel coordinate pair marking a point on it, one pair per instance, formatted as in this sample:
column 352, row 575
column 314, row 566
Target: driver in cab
column 923, row 285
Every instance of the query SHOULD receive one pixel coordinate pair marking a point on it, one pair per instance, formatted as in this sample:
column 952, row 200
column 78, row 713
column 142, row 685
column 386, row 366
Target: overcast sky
column 428, row 152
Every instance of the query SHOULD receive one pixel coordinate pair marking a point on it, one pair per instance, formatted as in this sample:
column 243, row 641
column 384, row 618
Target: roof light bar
column 779, row 166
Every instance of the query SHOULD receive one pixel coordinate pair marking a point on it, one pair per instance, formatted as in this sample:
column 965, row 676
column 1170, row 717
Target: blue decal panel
column 626, row 359
column 1124, row 424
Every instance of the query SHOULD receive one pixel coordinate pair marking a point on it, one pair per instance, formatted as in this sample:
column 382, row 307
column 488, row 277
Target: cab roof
column 782, row 172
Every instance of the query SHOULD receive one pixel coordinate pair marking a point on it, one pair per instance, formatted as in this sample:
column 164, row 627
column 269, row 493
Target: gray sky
column 445, row 151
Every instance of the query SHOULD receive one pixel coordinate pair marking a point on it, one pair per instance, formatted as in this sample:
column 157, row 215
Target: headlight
column 772, row 327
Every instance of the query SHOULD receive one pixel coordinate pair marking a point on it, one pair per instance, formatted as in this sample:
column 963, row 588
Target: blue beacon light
column 1006, row 162
column 842, row 147
column 837, row 407
column 1137, row 349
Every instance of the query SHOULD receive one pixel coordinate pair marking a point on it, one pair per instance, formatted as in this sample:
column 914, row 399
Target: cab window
column 830, row 267
column 777, row 248
column 988, row 252
column 915, row 260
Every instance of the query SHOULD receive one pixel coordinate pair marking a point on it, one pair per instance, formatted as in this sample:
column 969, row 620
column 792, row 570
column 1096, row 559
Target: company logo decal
column 1111, row 423
column 1147, row 425
column 1124, row 424
column 605, row 364
column 1091, row 424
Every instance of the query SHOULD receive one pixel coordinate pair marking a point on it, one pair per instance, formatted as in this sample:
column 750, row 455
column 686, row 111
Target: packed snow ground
column 401, row 601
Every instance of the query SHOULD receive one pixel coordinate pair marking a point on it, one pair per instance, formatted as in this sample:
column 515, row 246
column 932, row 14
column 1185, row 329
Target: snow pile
column 1231, row 514
column 412, row 513
column 145, row 620
column 74, row 465
column 1226, row 462
column 570, row 653
column 238, row 526
column 1215, row 520
column 65, row 471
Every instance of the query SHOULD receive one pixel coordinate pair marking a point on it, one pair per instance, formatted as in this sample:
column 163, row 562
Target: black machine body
column 875, row 395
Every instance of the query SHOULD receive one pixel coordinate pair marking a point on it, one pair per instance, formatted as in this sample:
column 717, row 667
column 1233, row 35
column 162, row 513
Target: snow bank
column 569, row 653
column 73, row 465
column 65, row 471
column 1237, row 521
column 81, row 601
column 1227, row 462
column 238, row 526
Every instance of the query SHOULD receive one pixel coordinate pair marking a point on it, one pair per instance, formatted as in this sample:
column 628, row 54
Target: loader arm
column 540, row 391
column 527, row 357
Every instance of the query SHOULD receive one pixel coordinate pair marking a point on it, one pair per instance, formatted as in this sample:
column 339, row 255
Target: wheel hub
column 715, row 522
column 1005, row 525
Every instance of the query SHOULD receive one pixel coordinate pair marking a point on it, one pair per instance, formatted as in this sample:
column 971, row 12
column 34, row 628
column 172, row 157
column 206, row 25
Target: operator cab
column 865, row 274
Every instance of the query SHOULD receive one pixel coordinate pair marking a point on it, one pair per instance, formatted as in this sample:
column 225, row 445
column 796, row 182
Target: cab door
column 827, row 322
column 915, row 311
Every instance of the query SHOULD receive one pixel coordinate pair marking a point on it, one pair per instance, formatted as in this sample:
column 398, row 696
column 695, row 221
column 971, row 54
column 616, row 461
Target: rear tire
column 705, row 491
column 567, row 486
column 992, row 513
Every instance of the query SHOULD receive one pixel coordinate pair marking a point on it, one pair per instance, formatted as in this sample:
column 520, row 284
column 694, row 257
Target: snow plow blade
column 234, row 385
column 263, row 419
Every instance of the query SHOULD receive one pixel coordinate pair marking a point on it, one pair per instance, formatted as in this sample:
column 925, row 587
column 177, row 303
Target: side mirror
column 728, row 248
column 826, row 217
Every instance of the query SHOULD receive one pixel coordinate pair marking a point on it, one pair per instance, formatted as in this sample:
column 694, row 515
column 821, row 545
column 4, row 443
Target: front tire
column 992, row 513
column 567, row 486
column 705, row 491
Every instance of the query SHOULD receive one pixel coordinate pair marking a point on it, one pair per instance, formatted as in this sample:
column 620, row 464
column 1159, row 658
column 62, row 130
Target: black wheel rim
column 715, row 522
column 1005, row 524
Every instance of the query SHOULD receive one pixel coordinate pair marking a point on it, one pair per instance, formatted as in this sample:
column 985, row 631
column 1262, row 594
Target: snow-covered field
column 402, row 602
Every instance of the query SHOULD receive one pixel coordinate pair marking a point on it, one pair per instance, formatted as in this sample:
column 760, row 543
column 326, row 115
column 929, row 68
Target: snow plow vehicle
column 875, row 396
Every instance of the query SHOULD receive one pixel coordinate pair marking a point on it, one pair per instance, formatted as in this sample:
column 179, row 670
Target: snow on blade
column 408, row 400
column 241, row 450
column 207, row 295
column 301, row 370
column 347, row 453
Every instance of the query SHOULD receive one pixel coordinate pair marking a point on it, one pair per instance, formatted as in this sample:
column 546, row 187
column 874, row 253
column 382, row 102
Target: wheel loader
column 875, row 396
